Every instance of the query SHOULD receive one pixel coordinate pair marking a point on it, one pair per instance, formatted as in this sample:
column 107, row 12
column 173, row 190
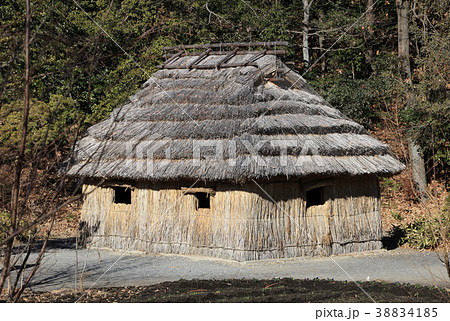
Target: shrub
column 4, row 224
column 429, row 233
column 57, row 115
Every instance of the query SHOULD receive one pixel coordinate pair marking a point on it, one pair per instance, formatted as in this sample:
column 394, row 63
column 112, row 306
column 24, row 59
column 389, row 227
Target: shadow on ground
column 68, row 243
column 393, row 239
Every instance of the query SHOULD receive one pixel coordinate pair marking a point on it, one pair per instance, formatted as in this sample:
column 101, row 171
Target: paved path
column 400, row 265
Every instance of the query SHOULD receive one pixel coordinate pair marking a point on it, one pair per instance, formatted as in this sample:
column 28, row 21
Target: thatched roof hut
column 240, row 157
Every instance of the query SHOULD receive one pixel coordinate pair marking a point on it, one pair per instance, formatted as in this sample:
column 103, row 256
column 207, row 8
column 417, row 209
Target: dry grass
column 243, row 223
column 399, row 205
column 228, row 109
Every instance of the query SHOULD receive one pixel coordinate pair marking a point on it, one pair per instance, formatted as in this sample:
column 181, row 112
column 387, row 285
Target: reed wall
column 243, row 223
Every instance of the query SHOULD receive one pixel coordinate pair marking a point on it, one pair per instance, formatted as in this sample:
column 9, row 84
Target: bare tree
column 403, row 37
column 321, row 42
column 415, row 153
column 15, row 217
column 306, row 8
column 28, row 220
column 370, row 20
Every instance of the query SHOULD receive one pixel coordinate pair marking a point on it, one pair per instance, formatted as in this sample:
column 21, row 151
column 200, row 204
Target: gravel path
column 59, row 268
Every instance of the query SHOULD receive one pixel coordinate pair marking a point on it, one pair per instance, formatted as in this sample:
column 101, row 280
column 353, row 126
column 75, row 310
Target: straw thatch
column 238, row 110
column 221, row 119
column 243, row 223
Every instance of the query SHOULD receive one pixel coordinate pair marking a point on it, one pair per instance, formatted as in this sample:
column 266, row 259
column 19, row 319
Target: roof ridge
column 265, row 44
column 229, row 50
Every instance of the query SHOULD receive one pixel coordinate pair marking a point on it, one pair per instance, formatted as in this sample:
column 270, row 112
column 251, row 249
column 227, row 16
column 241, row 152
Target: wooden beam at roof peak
column 238, row 53
column 268, row 44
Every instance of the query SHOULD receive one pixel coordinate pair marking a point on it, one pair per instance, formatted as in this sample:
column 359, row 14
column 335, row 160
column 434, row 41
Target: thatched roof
column 239, row 122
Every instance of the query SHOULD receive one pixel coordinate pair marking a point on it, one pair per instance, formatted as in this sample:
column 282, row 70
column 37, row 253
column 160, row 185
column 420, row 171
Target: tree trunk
column 321, row 41
column 370, row 19
column 403, row 38
column 418, row 168
column 306, row 7
column 415, row 155
column 15, row 219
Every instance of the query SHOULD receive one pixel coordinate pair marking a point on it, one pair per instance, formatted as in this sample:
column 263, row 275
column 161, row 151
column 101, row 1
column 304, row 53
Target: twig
column 270, row 285
column 213, row 13
column 199, row 290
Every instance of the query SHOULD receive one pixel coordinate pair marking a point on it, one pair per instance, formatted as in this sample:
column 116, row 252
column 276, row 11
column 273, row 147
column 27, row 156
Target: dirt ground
column 275, row 290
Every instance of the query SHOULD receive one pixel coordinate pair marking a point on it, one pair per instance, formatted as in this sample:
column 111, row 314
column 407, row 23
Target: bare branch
column 215, row 14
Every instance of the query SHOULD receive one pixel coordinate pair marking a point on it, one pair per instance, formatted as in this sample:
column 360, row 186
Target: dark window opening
column 315, row 197
column 122, row 195
column 203, row 200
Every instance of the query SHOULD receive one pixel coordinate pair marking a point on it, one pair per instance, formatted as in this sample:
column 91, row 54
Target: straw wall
column 243, row 222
